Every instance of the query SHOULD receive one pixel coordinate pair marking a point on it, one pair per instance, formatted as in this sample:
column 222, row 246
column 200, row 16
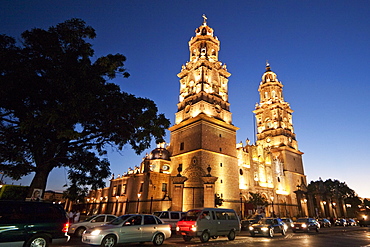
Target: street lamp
column 138, row 201
column 241, row 206
column 272, row 204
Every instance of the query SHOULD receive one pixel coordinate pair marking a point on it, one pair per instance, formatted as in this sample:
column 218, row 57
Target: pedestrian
column 70, row 216
column 76, row 217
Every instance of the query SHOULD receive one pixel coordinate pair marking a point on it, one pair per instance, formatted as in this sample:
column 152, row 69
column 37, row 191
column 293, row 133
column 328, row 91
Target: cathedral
column 203, row 166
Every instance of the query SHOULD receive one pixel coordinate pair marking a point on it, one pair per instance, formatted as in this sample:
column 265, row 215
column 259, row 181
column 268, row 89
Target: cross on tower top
column 204, row 19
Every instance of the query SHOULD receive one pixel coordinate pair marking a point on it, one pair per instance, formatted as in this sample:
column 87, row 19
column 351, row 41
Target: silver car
column 128, row 228
column 95, row 220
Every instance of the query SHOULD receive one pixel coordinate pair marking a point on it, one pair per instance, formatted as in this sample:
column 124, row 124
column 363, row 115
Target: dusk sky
column 319, row 50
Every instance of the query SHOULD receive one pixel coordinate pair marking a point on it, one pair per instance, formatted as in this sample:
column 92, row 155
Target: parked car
column 288, row 222
column 306, row 224
column 351, row 222
column 129, row 228
column 340, row 222
column 268, row 227
column 324, row 223
column 208, row 223
column 95, row 220
column 170, row 217
column 32, row 224
column 251, row 219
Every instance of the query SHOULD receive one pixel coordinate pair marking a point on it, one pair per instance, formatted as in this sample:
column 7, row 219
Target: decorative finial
column 204, row 19
column 209, row 170
column 267, row 65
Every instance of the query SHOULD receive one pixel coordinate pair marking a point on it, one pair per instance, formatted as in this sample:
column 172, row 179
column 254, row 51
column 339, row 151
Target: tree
column 57, row 108
column 256, row 199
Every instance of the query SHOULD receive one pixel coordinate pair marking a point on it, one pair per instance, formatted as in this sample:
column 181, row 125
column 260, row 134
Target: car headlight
column 95, row 232
column 265, row 229
column 193, row 228
column 251, row 228
column 304, row 225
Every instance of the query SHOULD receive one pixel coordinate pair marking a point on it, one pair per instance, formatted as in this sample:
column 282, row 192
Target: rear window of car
column 30, row 211
column 175, row 216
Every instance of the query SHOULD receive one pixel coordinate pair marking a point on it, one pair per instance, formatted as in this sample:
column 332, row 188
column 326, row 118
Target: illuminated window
column 164, row 187
column 141, row 187
column 124, row 188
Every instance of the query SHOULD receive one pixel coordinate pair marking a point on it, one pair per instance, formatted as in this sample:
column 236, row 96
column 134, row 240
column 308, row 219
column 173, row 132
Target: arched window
column 273, row 94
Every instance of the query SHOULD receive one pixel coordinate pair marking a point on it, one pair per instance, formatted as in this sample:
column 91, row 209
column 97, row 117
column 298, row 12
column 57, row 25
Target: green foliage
column 256, row 199
column 58, row 110
column 13, row 192
column 332, row 188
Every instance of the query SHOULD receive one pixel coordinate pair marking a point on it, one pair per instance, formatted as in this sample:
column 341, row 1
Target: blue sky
column 319, row 50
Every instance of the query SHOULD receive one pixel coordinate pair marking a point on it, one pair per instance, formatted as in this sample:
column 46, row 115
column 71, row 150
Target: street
column 334, row 236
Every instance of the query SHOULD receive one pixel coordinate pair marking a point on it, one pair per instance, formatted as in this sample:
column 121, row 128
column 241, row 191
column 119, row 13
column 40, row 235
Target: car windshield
column 191, row 215
column 302, row 220
column 265, row 221
column 119, row 220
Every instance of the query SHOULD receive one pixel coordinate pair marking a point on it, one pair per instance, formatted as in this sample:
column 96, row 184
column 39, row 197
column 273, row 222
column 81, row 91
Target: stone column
column 177, row 192
column 209, row 191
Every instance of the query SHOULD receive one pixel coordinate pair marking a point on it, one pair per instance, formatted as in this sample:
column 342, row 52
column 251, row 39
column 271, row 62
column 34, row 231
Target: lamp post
column 272, row 204
column 138, row 201
column 101, row 204
column 241, row 206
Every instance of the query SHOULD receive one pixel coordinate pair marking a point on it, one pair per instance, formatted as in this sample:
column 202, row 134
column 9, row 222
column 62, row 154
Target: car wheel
column 231, row 235
column 283, row 232
column 187, row 238
column 271, row 233
column 317, row 229
column 38, row 241
column 204, row 237
column 108, row 241
column 79, row 231
column 158, row 239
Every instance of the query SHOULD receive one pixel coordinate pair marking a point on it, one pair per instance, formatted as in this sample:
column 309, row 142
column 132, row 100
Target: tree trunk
column 39, row 182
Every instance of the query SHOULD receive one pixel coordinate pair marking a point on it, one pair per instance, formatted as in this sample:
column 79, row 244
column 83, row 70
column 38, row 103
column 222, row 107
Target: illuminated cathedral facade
column 203, row 166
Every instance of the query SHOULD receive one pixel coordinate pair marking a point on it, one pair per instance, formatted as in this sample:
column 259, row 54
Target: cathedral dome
column 159, row 153
column 269, row 75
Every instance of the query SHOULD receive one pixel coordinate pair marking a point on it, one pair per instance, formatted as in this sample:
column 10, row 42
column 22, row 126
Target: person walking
column 71, row 217
column 76, row 217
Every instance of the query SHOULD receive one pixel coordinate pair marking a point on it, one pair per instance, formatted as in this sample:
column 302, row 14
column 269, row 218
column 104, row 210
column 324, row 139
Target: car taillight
column 65, row 227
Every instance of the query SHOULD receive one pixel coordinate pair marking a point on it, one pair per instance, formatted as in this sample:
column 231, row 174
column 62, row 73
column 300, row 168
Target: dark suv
column 32, row 224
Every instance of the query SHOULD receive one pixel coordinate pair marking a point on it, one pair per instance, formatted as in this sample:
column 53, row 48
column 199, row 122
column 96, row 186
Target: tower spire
column 204, row 79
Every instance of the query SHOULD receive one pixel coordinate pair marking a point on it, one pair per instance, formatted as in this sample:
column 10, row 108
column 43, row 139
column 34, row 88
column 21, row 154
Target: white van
column 208, row 223
column 170, row 217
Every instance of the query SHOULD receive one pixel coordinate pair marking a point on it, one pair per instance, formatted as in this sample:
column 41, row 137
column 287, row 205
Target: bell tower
column 275, row 130
column 203, row 137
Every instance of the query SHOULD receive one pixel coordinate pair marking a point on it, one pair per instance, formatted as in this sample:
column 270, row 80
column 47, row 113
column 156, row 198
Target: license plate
column 255, row 231
column 183, row 233
column 297, row 228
